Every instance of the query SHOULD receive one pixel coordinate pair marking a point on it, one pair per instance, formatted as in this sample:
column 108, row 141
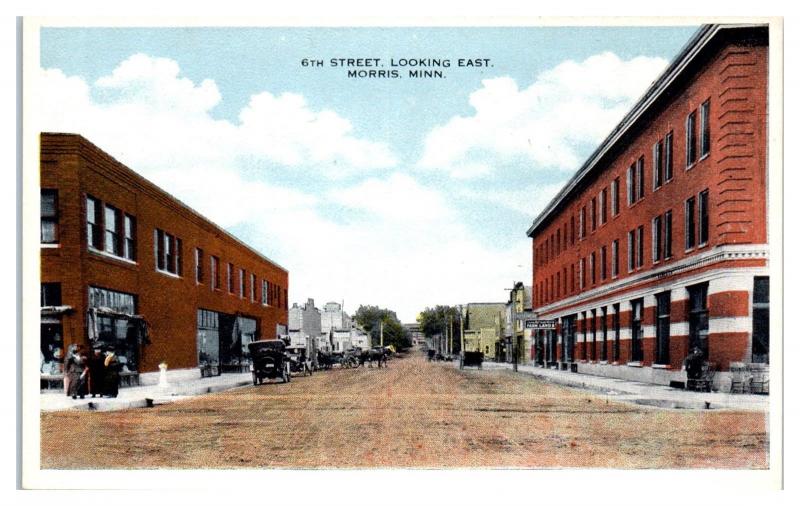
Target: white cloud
column 529, row 200
column 569, row 106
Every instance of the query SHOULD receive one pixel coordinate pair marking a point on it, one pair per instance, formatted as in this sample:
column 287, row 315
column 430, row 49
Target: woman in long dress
column 75, row 373
column 112, row 368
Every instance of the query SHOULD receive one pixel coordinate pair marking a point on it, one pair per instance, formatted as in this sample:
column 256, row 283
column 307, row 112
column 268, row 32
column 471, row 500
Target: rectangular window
column 667, row 235
column 593, row 267
column 215, row 281
column 705, row 129
column 656, row 239
column 572, row 278
column 558, row 284
column 637, row 330
column 593, row 325
column 603, row 206
column 572, row 228
column 230, row 278
column 657, row 165
column 662, row 328
column 50, row 294
column 761, row 319
column 702, row 219
column 198, row 265
column 615, row 258
column 689, row 223
column 691, row 139
column 631, row 249
column 49, row 217
column 615, row 197
column 129, row 249
column 112, row 236
column 269, row 293
column 616, row 328
column 264, row 291
column 698, row 318
column 582, row 224
column 640, row 178
column 252, row 287
column 603, row 271
column 178, row 257
column 668, row 157
column 242, row 276
column 558, row 241
column 168, row 251
column 640, row 246
column 594, row 214
column 631, row 184
column 94, row 235
column 582, row 273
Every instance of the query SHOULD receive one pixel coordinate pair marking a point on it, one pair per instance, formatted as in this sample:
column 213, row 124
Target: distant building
column 658, row 244
column 483, row 328
column 334, row 318
column 304, row 321
column 520, row 297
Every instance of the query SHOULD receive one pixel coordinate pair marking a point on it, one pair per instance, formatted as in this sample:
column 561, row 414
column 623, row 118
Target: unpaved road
column 413, row 414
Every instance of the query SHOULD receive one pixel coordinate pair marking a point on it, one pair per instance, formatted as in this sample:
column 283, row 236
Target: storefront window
column 115, row 325
column 761, row 319
column 636, row 330
column 698, row 318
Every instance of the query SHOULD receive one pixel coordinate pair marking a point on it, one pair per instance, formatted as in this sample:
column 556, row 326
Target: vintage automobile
column 270, row 361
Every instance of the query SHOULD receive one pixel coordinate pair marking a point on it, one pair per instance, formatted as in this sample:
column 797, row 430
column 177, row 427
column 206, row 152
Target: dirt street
column 412, row 414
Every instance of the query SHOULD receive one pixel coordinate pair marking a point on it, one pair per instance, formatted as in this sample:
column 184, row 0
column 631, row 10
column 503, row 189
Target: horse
column 377, row 354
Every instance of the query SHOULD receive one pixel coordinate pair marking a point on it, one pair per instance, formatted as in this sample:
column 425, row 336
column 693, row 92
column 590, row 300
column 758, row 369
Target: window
column 558, row 241
column 112, row 236
column 198, row 265
column 585, row 329
column 667, row 235
column 698, row 318
column 572, row 228
column 230, row 278
column 168, row 252
column 640, row 178
column 50, row 294
column 568, row 338
column 640, row 246
column 689, row 226
column 603, row 206
column 241, row 282
column 636, row 330
column 129, row 246
column 705, row 129
column 631, row 183
column 49, row 217
column 558, row 284
column 264, row 291
column 270, row 301
column 582, row 273
column 94, row 236
column 252, row 287
column 592, row 267
column 593, row 324
column 572, row 278
column 657, row 243
column 631, row 248
column 604, row 330
column 615, row 258
column 702, row 221
column 215, row 282
column 594, row 214
column 761, row 319
column 603, row 263
column 668, row 157
column 657, row 165
column 615, row 197
column 662, row 328
column 582, row 224
column 691, row 139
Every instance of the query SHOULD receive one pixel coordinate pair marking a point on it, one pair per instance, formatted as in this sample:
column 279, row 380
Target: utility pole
column 381, row 333
column 450, row 320
column 514, row 325
column 461, row 326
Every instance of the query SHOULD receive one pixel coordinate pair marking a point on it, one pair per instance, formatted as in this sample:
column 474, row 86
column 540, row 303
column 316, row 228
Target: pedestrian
column 96, row 372
column 111, row 378
column 76, row 373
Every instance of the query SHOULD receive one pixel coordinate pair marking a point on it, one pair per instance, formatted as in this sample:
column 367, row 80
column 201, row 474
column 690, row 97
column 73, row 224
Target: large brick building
column 125, row 264
column 658, row 244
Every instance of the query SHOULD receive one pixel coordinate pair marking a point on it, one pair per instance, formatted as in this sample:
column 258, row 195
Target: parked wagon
column 270, row 361
column 299, row 363
column 473, row 359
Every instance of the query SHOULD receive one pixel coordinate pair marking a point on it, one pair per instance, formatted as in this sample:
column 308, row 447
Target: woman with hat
column 112, row 368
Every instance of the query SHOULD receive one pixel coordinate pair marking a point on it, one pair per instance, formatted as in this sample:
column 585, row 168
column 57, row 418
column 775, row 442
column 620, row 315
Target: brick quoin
column 77, row 168
column 727, row 67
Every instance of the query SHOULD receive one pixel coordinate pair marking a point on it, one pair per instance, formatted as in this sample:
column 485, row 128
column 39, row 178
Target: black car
column 269, row 361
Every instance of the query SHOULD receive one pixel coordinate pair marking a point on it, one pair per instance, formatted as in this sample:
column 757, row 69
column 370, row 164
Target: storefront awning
column 56, row 310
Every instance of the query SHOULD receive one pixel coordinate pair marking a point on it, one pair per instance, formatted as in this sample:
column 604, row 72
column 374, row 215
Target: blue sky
column 398, row 192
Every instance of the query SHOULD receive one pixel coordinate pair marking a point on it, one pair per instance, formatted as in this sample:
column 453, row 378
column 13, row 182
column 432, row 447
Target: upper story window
column 215, row 281
column 112, row 236
column 615, row 197
column 631, row 249
column 582, row 224
column 94, row 235
column 668, row 157
column 269, row 293
column 658, row 168
column 594, row 214
column 615, row 258
column 252, row 287
column 640, row 178
column 241, row 282
column 603, row 203
column 705, row 128
column 689, row 231
column 168, row 252
column 657, row 239
column 50, row 294
column 691, row 138
column 667, row 235
column 264, row 291
column 640, row 246
column 230, row 278
column 49, row 217
column 572, row 228
column 129, row 241
column 198, row 265
column 702, row 217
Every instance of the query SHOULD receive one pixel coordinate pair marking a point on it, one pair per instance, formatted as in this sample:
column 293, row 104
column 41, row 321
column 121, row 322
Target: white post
column 162, row 375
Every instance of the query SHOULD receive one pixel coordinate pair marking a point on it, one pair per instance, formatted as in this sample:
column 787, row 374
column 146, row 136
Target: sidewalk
column 137, row 397
column 642, row 393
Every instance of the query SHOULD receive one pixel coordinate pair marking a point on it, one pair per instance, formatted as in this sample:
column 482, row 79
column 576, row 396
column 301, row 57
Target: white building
column 334, row 317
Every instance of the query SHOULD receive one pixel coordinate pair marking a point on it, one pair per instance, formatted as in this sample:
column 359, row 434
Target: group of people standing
column 95, row 375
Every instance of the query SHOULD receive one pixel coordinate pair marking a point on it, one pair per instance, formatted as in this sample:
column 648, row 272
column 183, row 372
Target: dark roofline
column 161, row 195
column 699, row 41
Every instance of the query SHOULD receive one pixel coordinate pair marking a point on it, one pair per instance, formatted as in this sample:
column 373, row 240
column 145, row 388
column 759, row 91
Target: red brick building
column 125, row 264
column 658, row 244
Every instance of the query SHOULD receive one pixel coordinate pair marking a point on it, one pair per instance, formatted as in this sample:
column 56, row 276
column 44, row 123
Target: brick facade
column 721, row 79
column 168, row 302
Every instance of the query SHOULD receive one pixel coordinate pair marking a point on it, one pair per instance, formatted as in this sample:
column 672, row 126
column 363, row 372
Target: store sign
column 540, row 324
